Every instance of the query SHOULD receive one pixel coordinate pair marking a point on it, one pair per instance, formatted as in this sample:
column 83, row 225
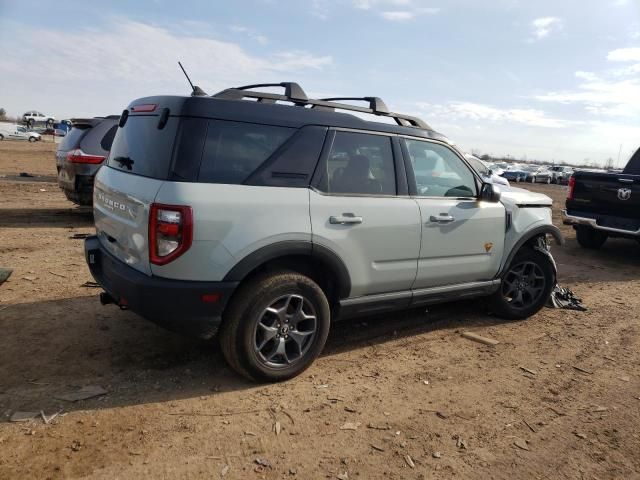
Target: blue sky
column 544, row 80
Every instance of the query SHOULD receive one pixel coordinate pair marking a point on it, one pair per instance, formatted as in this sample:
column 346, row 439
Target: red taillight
column 146, row 107
column 78, row 156
column 572, row 185
column 170, row 232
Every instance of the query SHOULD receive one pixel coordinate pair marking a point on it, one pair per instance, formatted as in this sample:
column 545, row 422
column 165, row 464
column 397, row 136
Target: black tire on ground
column 539, row 278
column 33, row 139
column 1, row 137
column 82, row 199
column 252, row 309
column 590, row 237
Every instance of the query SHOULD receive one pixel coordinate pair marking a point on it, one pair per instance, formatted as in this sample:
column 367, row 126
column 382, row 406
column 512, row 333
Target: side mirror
column 490, row 193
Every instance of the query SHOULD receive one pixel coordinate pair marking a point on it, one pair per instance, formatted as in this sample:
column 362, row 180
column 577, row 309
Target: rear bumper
column 597, row 222
column 174, row 304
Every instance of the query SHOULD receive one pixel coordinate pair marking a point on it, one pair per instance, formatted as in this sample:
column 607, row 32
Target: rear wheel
column 32, row 139
column 590, row 237
column 275, row 327
column 525, row 286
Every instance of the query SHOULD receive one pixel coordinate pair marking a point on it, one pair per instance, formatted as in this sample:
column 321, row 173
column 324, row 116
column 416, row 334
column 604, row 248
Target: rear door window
column 142, row 149
column 359, row 164
column 234, row 150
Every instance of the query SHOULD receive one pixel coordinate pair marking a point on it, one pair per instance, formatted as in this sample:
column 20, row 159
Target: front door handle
column 345, row 219
column 442, row 218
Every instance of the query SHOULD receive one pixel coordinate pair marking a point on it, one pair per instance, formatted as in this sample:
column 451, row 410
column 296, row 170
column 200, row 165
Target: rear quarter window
column 234, row 150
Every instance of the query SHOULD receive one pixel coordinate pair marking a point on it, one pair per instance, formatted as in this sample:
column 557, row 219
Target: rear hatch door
column 125, row 188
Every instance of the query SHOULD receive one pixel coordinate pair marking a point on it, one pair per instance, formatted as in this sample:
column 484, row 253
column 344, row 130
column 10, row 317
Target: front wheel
column 275, row 327
column 525, row 286
column 32, row 139
column 591, row 238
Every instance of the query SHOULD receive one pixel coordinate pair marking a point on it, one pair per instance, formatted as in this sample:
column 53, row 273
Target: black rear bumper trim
column 173, row 304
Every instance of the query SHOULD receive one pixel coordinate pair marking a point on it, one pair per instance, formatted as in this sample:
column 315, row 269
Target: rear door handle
column 345, row 219
column 442, row 218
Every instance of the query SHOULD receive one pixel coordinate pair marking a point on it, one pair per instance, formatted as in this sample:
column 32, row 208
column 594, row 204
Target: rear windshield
column 142, row 149
column 72, row 139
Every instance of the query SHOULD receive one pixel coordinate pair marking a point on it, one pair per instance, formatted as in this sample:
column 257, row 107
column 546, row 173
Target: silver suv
column 264, row 217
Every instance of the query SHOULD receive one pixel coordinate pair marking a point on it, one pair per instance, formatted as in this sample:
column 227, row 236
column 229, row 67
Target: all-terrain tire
column 591, row 238
column 504, row 306
column 247, row 308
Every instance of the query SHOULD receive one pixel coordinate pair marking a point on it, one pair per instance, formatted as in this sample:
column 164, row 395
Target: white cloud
column 543, row 26
column 477, row 112
column 624, row 55
column 614, row 93
column 252, row 34
column 396, row 10
column 404, row 15
column 107, row 68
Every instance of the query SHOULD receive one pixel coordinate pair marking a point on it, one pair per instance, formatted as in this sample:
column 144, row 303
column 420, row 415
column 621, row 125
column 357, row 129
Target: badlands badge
column 488, row 246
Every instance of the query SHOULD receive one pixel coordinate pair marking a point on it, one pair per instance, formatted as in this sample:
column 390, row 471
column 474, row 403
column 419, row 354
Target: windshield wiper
column 124, row 162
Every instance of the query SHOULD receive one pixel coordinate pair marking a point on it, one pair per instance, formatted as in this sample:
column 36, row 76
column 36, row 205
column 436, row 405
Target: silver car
column 265, row 222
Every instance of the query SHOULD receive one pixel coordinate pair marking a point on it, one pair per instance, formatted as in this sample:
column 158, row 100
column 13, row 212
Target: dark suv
column 81, row 153
column 267, row 216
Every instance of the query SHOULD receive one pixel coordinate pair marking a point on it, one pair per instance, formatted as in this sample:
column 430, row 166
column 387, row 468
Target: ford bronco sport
column 265, row 216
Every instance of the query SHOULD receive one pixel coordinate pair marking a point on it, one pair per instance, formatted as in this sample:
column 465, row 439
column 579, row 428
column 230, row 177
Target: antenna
column 196, row 91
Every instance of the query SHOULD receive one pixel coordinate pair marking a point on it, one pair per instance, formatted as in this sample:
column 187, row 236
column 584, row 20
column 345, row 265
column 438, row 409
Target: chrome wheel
column 285, row 331
column 523, row 285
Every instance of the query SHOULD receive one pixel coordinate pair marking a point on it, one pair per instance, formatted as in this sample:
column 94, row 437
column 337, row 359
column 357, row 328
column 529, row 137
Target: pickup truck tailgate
column 612, row 194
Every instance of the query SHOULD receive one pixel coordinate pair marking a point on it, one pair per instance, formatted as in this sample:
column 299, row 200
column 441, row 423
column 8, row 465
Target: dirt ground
column 399, row 396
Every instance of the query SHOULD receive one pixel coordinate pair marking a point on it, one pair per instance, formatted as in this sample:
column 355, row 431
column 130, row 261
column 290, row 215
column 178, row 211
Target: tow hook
column 106, row 299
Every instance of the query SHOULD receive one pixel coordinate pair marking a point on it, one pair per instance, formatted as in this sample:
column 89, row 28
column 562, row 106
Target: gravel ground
column 400, row 396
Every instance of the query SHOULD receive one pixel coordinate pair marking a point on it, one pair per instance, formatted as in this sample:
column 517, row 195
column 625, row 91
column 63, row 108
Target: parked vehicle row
column 266, row 221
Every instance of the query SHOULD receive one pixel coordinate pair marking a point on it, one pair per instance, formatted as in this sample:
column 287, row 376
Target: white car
column 32, row 117
column 17, row 132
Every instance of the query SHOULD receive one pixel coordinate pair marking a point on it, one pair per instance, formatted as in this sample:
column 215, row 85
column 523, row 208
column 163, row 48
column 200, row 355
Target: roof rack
column 295, row 94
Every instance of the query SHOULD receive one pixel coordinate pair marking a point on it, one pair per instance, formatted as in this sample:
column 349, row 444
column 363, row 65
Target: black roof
column 292, row 109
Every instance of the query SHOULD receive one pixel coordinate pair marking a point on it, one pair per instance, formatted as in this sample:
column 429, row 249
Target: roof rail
column 294, row 93
column 291, row 90
column 375, row 103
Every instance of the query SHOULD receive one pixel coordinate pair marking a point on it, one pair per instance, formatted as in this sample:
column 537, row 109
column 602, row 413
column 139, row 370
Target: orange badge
column 488, row 246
